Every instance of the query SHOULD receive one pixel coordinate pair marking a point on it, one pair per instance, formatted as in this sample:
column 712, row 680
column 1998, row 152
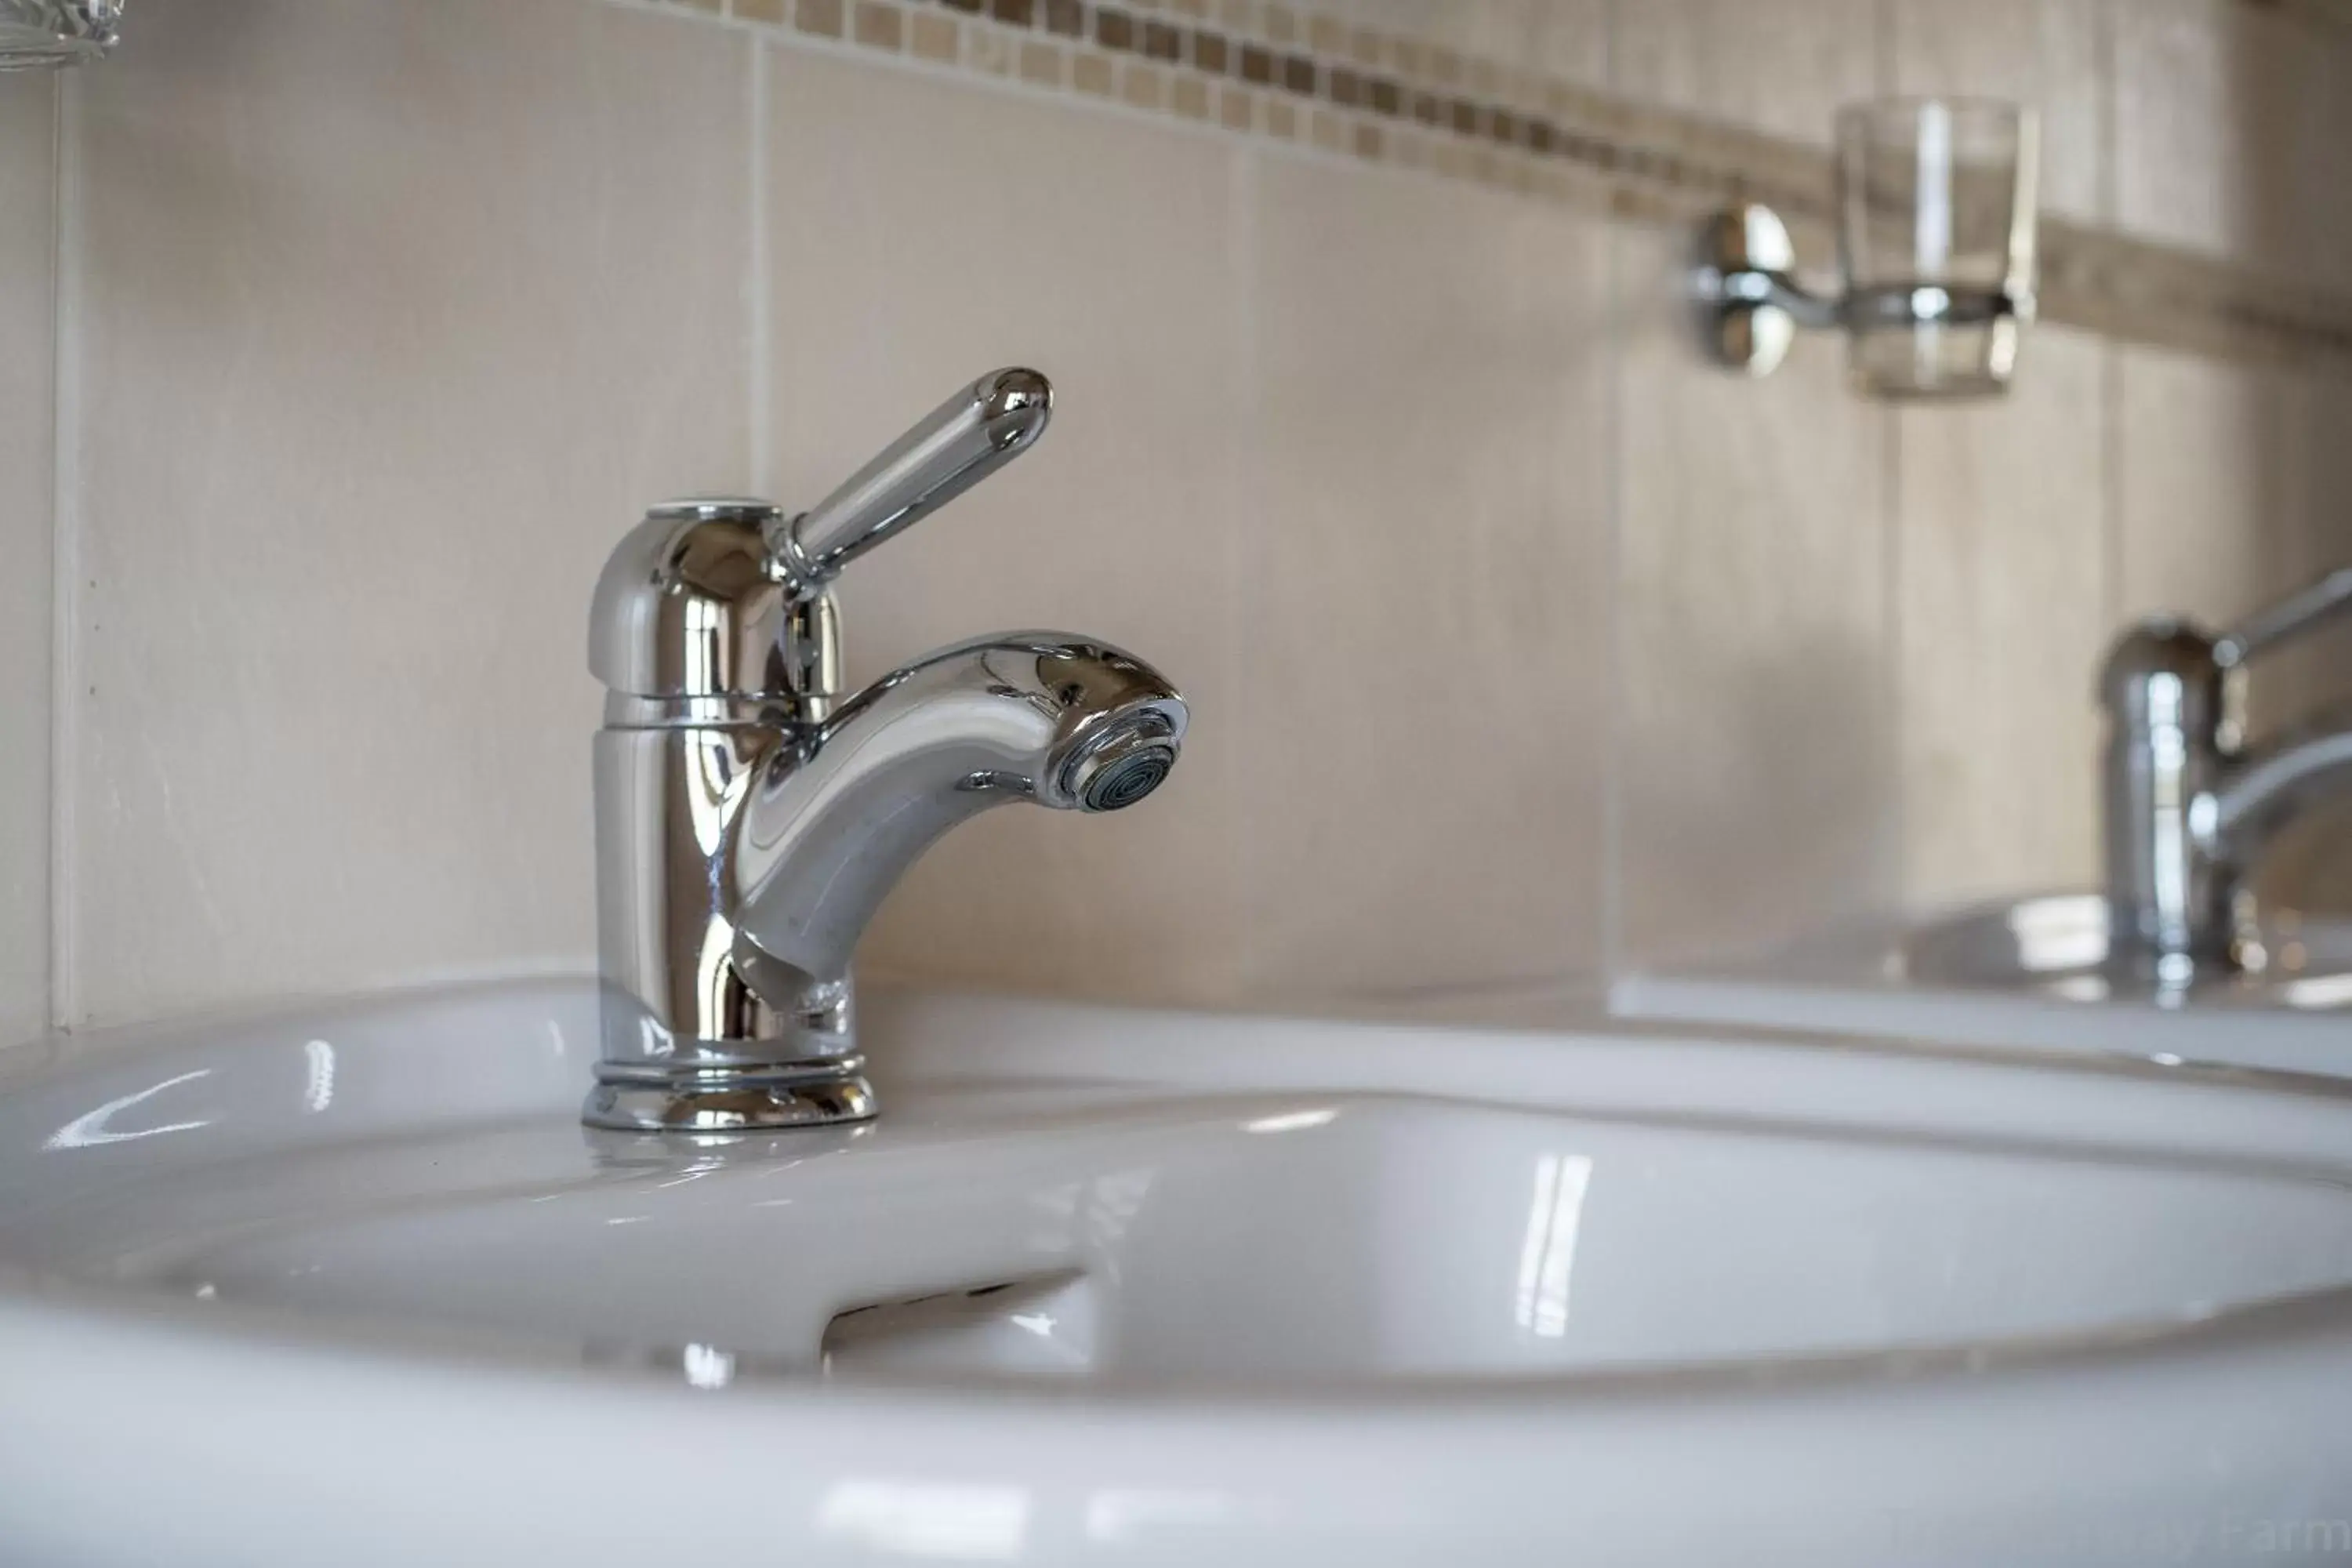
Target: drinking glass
column 1935, row 203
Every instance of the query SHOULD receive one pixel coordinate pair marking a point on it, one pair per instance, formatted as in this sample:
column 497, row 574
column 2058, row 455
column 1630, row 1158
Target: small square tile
column 1330, row 132
column 1237, row 15
column 1162, row 42
column 988, row 49
column 1281, row 119
column 760, row 10
column 1281, row 25
column 1347, row 87
column 1068, row 17
column 1236, row 108
column 1364, row 47
column 1326, row 35
column 1444, row 67
column 1189, row 96
column 1013, row 12
column 1385, row 97
column 822, row 17
column 879, row 26
column 1366, row 140
column 1209, row 52
column 1041, row 63
column 1257, row 65
column 1406, row 53
column 1483, row 79
column 1196, row 9
column 932, row 36
column 1298, row 75
column 1143, row 86
column 1114, row 30
column 1091, row 73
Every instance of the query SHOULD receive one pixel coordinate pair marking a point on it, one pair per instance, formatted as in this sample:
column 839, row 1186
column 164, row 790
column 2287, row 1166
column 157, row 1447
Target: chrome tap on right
column 2191, row 807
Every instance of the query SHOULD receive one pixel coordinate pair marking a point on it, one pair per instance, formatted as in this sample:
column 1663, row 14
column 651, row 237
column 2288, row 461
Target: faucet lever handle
column 961, row 443
column 2306, row 610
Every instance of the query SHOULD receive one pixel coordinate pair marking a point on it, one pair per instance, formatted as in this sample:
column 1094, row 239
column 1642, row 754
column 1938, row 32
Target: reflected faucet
column 2191, row 808
column 750, row 820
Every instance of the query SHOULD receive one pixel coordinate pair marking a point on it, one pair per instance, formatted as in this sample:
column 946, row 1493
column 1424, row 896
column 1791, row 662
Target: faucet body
column 2190, row 807
column 749, row 819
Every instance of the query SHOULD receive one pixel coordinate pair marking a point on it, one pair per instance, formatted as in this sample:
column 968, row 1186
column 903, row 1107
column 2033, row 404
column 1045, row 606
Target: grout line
column 1895, row 680
column 1887, row 68
column 1894, row 677
column 760, row 380
column 1614, row 743
column 1246, row 474
column 65, row 555
column 2111, row 353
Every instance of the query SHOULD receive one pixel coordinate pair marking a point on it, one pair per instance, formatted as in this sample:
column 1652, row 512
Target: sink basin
column 352, row 1285
column 2032, row 975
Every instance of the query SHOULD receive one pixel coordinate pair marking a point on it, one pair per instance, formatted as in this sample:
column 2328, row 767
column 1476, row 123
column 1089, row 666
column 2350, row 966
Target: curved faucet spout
column 835, row 819
column 2270, row 789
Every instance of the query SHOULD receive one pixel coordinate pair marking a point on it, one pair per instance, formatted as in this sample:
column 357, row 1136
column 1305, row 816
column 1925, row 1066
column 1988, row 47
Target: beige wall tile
column 2000, row 566
column 1426, row 620
column 2200, row 485
column 2042, row 53
column 1759, row 787
column 28, row 312
column 2000, row 551
column 1108, row 264
column 401, row 317
column 2233, row 133
column 1781, row 66
column 1759, row 783
column 1563, row 39
column 2234, row 136
column 2311, row 866
column 2231, row 494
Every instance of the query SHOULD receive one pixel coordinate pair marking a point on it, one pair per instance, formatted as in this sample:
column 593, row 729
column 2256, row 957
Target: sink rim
column 199, row 1406
column 1236, row 1056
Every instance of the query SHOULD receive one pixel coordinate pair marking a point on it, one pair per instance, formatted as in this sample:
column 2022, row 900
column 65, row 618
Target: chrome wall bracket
column 1751, row 306
column 1934, row 218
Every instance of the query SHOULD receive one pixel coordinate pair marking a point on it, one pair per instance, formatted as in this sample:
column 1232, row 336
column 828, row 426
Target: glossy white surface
column 2024, row 976
column 351, row 1285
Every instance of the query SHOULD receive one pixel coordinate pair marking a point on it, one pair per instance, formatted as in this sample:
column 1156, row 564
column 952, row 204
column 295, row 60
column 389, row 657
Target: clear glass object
column 37, row 34
column 1936, row 204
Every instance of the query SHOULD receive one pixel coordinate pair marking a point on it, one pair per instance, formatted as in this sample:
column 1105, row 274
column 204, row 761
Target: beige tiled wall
column 1758, row 771
column 386, row 322
column 2000, row 535
column 1520, row 642
column 2233, row 136
column 27, row 323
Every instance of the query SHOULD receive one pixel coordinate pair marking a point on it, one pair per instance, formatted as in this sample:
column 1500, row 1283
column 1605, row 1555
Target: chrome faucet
column 748, row 821
column 2191, row 807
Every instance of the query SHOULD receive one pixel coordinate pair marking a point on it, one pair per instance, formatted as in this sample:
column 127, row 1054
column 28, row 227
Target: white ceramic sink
column 2030, row 976
column 353, row 1286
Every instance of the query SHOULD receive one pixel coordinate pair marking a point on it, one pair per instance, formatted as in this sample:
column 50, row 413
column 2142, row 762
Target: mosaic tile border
column 1278, row 71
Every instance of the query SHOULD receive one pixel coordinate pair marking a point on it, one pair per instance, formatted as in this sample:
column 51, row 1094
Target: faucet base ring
column 733, row 1101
